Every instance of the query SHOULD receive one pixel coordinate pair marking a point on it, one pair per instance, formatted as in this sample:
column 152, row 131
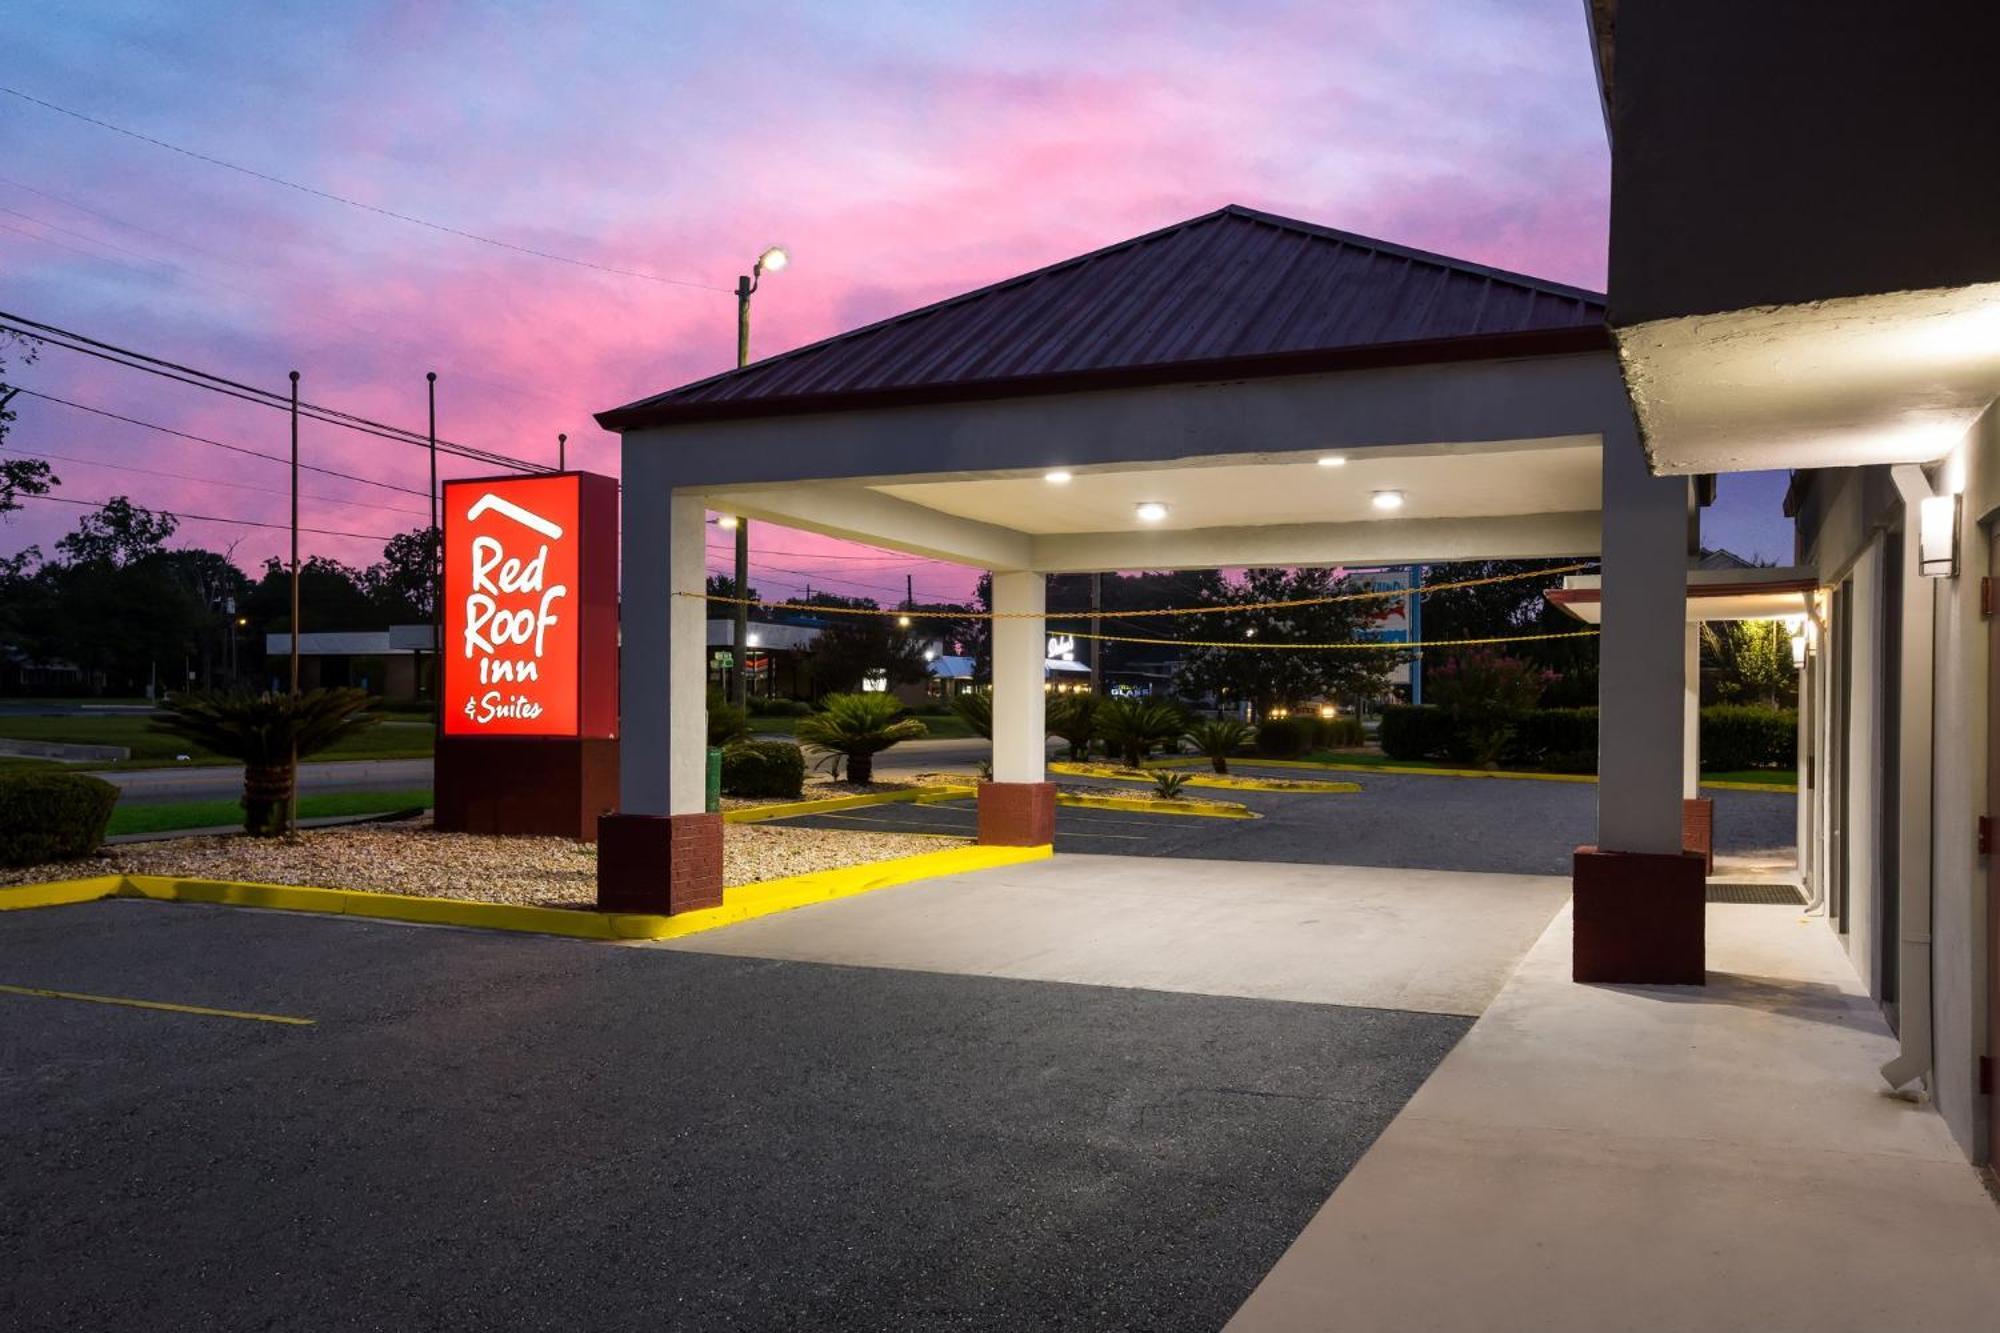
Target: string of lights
column 1372, row 594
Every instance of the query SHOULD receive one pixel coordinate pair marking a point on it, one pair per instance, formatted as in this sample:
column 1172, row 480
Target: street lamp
column 774, row 259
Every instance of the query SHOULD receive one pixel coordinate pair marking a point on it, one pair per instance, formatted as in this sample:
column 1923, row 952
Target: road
column 145, row 786
column 153, row 786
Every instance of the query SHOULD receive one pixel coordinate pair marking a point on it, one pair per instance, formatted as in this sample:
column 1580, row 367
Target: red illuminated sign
column 530, row 609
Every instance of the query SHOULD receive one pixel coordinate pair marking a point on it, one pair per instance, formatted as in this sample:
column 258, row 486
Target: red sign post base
column 556, row 787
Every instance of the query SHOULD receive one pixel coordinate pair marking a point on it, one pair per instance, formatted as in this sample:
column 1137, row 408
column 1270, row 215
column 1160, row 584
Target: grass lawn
column 206, row 814
column 948, row 726
column 394, row 738
column 10, row 763
column 1763, row 777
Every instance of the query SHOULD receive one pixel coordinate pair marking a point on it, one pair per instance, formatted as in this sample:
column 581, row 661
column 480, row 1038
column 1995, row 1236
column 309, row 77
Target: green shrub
column 1735, row 736
column 1414, row 732
column 975, row 709
column 726, row 721
column 52, row 816
column 1074, row 718
column 1561, row 739
column 1167, row 784
column 857, row 727
column 1338, row 733
column 766, row 707
column 1284, row 737
column 763, row 768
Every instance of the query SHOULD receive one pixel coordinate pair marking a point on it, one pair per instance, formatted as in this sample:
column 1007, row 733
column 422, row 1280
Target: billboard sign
column 530, row 612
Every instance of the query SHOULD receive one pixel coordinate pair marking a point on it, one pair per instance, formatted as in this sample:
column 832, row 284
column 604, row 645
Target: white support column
column 1642, row 653
column 1020, row 654
column 662, row 700
column 1691, row 713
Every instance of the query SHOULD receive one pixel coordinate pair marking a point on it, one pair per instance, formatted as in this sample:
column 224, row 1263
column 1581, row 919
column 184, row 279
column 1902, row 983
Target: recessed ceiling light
column 1333, row 460
column 1056, row 478
column 1387, row 500
column 1150, row 511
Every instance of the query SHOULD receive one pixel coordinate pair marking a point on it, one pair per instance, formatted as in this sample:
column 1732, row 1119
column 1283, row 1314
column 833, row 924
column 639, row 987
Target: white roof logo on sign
column 522, row 516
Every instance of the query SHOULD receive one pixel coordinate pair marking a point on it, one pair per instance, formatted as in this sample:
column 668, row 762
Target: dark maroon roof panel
column 1232, row 292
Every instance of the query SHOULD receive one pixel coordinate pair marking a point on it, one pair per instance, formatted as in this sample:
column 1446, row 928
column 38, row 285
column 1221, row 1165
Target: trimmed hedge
column 763, row 768
column 1411, row 731
column 760, row 707
column 1562, row 739
column 1733, row 736
column 1737, row 736
column 1337, row 733
column 52, row 816
column 1284, row 737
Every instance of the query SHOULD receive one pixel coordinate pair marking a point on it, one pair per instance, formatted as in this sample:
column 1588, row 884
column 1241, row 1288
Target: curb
column 1150, row 806
column 1785, row 788
column 741, row 903
column 757, row 814
column 1222, row 781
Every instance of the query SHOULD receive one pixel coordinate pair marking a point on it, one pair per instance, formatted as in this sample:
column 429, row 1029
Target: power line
column 54, row 336
column 211, row 518
column 356, row 203
column 219, row 444
column 310, row 309
column 211, row 481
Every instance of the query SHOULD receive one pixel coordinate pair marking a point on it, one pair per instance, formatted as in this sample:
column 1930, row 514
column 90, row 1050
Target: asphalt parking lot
column 486, row 1131
column 1510, row 826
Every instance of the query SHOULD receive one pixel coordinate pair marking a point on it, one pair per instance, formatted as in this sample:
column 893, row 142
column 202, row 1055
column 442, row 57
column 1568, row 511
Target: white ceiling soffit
column 1547, row 476
column 1896, row 378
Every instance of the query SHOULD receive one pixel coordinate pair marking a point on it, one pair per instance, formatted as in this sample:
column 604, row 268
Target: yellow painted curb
column 1226, row 782
column 1322, row 767
column 757, row 814
column 1317, row 766
column 740, row 903
column 59, row 893
column 1151, row 806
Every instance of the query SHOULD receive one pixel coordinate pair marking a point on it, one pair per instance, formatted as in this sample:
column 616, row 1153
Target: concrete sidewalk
column 1604, row 1158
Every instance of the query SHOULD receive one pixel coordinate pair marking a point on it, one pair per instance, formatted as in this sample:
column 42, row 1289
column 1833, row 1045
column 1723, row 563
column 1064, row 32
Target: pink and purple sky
column 903, row 151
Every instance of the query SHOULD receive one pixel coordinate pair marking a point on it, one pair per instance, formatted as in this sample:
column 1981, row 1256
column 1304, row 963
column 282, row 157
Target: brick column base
column 1017, row 814
column 659, row 863
column 1698, row 830
column 1641, row 918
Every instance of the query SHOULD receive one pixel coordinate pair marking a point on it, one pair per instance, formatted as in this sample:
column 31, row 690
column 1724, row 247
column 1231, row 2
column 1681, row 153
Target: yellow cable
column 1377, row 594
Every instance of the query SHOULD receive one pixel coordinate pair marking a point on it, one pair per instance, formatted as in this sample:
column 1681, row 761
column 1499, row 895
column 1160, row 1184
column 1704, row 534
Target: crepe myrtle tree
column 1274, row 677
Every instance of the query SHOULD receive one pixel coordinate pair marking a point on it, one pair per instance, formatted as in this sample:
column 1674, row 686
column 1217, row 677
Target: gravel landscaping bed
column 414, row 858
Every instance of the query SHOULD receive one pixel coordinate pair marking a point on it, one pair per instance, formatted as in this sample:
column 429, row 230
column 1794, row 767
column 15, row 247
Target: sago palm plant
column 1131, row 727
column 270, row 733
column 858, row 727
column 1074, row 718
column 1218, row 738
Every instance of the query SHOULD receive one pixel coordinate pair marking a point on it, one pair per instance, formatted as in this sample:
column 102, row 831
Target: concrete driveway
column 1412, row 940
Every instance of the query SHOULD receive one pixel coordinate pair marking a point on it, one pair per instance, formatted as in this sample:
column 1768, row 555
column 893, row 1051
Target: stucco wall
column 1958, row 873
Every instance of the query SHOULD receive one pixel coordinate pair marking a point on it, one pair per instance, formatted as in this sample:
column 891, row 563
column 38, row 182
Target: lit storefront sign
column 530, row 606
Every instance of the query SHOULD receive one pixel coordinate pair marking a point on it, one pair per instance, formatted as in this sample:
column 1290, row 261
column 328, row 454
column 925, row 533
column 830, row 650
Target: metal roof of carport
column 1230, row 294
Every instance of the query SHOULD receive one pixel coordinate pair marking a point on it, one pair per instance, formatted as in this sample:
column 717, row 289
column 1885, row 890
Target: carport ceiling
column 1464, row 481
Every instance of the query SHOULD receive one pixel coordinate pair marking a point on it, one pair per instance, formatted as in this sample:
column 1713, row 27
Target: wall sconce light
column 1937, row 537
column 1796, row 626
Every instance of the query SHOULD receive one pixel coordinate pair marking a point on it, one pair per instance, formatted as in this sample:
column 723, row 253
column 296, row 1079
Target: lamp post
column 773, row 259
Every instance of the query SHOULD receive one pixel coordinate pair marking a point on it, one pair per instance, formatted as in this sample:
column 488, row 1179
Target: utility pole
column 773, row 259
column 1096, row 628
column 562, row 453
column 436, row 536
column 292, row 805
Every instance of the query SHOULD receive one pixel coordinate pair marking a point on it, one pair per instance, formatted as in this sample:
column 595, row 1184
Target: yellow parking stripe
column 38, row 993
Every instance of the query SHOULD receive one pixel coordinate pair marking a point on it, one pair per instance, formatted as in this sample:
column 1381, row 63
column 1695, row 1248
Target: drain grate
column 1785, row 895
